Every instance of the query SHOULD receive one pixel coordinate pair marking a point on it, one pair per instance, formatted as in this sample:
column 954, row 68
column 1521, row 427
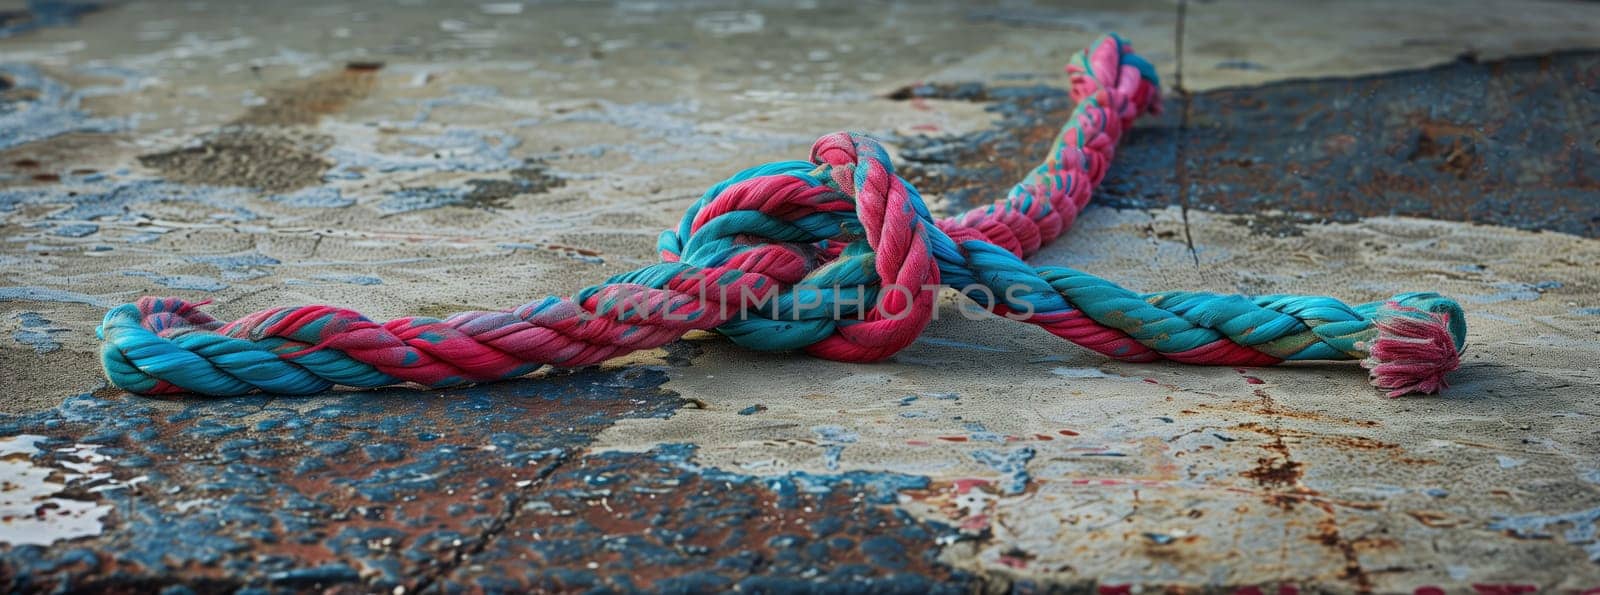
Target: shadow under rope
column 1510, row 142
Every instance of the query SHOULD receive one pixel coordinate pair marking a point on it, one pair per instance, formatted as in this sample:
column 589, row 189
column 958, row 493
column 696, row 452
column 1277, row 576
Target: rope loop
column 837, row 256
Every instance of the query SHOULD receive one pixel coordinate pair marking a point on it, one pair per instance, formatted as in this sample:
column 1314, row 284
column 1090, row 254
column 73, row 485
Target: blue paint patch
column 456, row 150
column 839, row 437
column 1508, row 292
column 45, row 13
column 978, row 433
column 45, row 294
column 53, row 110
column 383, row 453
column 830, row 456
column 184, row 282
column 316, row 197
column 239, row 267
column 420, row 199
column 121, row 200
column 351, row 279
column 753, row 409
column 459, row 95
column 37, row 332
column 836, row 434
column 1580, row 528
column 1013, row 466
column 75, row 230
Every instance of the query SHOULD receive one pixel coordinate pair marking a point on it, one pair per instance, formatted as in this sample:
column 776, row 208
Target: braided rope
column 774, row 259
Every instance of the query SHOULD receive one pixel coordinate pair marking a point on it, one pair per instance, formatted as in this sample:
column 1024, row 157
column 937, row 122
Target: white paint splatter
column 30, row 512
column 1509, row 462
column 1066, row 372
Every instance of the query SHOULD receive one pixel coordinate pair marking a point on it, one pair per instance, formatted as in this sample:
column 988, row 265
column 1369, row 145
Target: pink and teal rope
column 837, row 256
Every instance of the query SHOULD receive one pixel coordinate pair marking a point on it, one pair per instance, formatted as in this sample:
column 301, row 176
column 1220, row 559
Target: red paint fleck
column 1239, row 370
column 1288, row 590
column 1116, row 589
column 963, row 486
column 926, row 127
column 1042, row 437
column 918, row 443
column 1010, row 438
column 977, row 522
column 1428, row 590
column 953, row 438
column 919, row 103
column 1248, row 591
column 1013, row 561
column 1151, row 381
column 1066, row 432
column 1254, row 380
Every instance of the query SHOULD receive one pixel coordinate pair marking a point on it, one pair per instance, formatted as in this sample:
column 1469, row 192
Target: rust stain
column 1279, row 469
column 1275, row 471
column 306, row 102
column 574, row 249
column 1435, row 519
column 1328, row 534
column 1257, row 407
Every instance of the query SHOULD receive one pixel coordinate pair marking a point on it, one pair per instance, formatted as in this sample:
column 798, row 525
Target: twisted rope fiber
column 837, row 256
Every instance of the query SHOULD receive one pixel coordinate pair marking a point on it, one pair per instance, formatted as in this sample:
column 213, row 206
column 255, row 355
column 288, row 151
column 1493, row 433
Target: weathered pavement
column 424, row 159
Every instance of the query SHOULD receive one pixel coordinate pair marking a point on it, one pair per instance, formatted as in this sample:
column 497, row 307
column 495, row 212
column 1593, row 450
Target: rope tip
column 1413, row 351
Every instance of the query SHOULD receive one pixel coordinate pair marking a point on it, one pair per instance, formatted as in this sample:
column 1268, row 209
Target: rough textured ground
column 424, row 158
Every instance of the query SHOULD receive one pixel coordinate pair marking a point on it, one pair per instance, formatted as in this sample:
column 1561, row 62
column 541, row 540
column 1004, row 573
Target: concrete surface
column 415, row 157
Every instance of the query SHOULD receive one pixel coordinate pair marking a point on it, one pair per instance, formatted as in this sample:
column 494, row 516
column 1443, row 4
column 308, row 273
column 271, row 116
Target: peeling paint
column 36, row 331
column 32, row 508
column 53, row 110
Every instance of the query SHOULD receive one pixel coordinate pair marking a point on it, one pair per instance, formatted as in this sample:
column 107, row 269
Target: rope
column 837, row 256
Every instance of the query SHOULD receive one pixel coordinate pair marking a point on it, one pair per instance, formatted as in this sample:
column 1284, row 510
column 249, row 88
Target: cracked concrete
column 430, row 158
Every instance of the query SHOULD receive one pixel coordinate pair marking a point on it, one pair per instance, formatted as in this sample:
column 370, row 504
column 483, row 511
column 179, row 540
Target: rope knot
column 836, row 255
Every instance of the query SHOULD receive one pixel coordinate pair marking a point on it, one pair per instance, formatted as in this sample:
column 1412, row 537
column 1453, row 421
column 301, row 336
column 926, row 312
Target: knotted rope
column 837, row 256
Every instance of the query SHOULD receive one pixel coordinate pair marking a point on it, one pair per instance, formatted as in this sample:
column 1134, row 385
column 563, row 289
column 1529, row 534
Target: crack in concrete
column 1287, row 474
column 1181, row 165
column 504, row 519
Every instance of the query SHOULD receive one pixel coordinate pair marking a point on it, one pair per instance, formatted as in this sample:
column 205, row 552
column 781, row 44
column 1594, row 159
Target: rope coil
column 837, row 256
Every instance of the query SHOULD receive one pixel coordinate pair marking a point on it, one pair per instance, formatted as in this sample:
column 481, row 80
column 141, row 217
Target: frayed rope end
column 1413, row 351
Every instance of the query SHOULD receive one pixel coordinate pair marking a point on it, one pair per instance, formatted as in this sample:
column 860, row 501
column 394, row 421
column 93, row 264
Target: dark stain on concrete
column 39, row 14
column 532, row 178
column 946, row 91
column 272, row 161
column 625, row 522
column 487, row 487
column 1512, row 142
